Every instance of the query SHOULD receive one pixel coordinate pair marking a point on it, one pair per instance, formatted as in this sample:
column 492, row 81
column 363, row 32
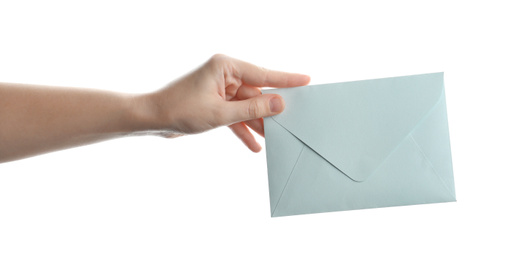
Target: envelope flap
column 356, row 125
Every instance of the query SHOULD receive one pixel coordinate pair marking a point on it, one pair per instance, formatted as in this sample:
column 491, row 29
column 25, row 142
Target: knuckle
column 222, row 63
column 265, row 76
column 218, row 56
column 254, row 110
column 217, row 59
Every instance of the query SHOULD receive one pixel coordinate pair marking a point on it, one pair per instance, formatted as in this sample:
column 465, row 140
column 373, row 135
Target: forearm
column 39, row 119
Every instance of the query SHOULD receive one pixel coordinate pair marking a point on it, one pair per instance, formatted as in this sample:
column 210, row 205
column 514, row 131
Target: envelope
column 361, row 144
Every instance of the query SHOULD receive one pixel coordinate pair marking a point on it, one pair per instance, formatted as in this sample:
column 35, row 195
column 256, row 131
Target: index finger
column 261, row 77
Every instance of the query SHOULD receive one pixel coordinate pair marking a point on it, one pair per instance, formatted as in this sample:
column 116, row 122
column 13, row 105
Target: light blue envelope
column 361, row 144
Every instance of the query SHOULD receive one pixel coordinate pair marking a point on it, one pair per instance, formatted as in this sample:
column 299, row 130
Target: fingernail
column 275, row 105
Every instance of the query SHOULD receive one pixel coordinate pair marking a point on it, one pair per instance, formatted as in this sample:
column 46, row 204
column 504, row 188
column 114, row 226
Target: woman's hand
column 224, row 91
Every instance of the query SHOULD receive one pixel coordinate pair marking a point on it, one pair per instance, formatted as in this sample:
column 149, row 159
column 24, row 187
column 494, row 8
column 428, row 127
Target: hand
column 223, row 91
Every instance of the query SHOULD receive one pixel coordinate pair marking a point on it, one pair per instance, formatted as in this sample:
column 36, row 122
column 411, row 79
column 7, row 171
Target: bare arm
column 39, row 119
column 224, row 91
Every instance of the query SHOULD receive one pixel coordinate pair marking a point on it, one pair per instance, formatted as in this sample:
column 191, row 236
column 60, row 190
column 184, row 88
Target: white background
column 206, row 196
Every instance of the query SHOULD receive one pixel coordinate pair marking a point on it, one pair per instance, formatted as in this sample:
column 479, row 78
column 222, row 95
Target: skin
column 223, row 91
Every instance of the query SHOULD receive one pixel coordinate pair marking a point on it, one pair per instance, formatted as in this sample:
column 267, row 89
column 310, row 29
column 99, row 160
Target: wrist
column 142, row 116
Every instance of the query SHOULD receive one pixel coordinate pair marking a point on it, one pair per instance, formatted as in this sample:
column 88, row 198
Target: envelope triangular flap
column 356, row 125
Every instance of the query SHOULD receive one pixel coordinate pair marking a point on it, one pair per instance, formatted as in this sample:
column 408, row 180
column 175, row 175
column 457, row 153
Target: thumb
column 257, row 107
